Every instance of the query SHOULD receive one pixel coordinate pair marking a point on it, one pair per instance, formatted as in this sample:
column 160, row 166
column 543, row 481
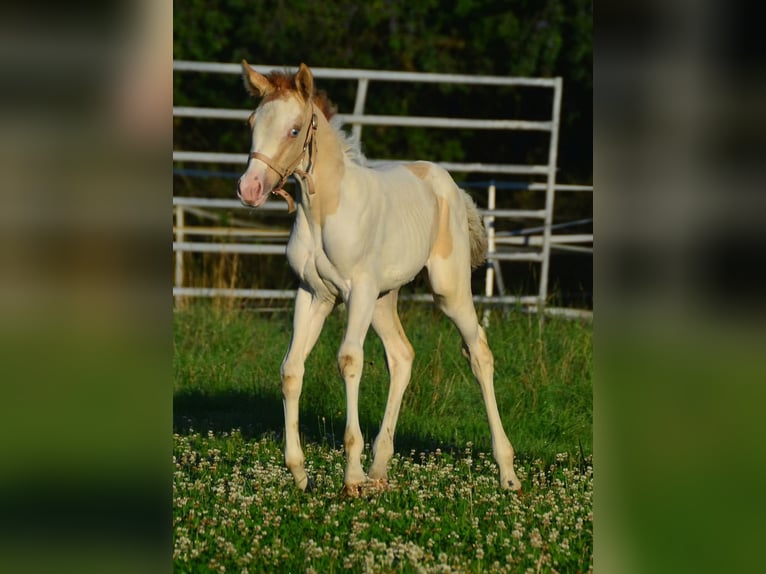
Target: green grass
column 234, row 503
column 227, row 376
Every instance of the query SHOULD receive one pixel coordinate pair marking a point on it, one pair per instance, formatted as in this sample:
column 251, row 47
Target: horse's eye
column 294, row 132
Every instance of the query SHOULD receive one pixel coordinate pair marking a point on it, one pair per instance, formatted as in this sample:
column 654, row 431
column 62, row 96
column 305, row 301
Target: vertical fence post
column 550, row 192
column 489, row 224
column 179, row 274
column 361, row 96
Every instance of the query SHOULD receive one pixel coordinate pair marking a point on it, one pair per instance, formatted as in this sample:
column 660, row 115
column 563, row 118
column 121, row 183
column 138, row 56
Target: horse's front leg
column 361, row 304
column 310, row 313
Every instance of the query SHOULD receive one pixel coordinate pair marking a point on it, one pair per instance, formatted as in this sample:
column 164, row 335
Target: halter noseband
column 309, row 145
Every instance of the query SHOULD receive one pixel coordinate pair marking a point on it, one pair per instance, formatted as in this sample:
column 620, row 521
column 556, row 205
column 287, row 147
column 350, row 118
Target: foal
column 360, row 234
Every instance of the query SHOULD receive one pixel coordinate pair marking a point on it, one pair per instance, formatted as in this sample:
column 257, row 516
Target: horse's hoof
column 310, row 486
column 305, row 484
column 510, row 485
column 351, row 490
column 377, row 484
column 367, row 488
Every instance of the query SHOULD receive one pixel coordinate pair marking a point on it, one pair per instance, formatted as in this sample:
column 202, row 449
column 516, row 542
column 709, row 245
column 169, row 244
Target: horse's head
column 282, row 130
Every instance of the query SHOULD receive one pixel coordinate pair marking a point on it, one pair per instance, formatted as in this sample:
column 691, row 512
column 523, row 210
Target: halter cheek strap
column 309, row 145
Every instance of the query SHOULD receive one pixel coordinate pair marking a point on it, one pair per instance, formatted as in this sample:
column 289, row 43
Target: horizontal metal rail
column 290, row 294
column 560, row 187
column 242, row 293
column 519, row 185
column 199, row 247
column 454, row 123
column 514, row 213
column 537, row 240
column 516, row 256
column 241, row 159
column 281, row 249
column 572, row 248
column 211, row 202
column 378, row 120
column 284, row 233
column 563, row 312
column 527, row 241
column 210, row 157
column 278, row 205
column 211, row 113
column 377, row 75
column 499, row 299
column 233, row 232
column 529, row 302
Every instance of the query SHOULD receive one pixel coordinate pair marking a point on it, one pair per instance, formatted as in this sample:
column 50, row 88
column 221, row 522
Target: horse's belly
column 401, row 256
column 395, row 274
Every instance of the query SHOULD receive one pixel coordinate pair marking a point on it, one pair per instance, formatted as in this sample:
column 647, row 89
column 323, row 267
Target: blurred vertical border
column 680, row 286
column 85, row 307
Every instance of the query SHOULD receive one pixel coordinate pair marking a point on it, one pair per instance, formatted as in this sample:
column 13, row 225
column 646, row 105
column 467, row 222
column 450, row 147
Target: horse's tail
column 476, row 232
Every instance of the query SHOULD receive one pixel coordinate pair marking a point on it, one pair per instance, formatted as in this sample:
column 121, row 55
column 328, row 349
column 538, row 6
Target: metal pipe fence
column 503, row 246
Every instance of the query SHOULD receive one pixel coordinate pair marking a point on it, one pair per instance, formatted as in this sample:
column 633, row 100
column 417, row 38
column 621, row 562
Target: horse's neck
column 329, row 148
column 327, row 171
column 305, row 251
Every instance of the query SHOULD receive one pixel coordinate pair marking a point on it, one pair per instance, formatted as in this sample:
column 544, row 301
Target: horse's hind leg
column 451, row 283
column 399, row 356
column 310, row 313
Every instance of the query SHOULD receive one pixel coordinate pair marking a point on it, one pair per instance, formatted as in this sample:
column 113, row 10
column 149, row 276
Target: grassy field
column 235, row 508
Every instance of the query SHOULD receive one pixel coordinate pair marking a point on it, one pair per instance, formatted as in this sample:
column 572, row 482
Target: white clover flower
column 535, row 539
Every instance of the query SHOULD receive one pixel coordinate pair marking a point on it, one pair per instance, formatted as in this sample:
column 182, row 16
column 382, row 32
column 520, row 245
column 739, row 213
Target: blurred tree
column 500, row 37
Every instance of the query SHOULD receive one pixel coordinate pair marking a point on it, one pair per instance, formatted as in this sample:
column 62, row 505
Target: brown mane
column 284, row 82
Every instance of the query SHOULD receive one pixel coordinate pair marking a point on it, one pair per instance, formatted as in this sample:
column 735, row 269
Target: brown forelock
column 284, row 83
column 282, row 80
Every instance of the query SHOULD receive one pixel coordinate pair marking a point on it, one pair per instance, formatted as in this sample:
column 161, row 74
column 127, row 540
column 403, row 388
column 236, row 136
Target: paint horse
column 359, row 234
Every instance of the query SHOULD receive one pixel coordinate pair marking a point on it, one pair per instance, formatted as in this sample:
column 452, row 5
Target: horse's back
column 393, row 219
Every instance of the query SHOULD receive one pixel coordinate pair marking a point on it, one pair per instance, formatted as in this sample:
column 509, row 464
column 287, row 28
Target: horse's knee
column 292, row 367
column 351, row 440
column 292, row 381
column 350, row 360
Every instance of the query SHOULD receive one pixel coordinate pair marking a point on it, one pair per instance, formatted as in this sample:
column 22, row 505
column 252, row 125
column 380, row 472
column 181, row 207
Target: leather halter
column 309, row 146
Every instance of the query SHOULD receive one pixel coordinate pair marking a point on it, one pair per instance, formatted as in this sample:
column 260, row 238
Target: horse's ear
column 304, row 81
column 255, row 83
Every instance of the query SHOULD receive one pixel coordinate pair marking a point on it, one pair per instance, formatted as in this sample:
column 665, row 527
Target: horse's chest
column 310, row 262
